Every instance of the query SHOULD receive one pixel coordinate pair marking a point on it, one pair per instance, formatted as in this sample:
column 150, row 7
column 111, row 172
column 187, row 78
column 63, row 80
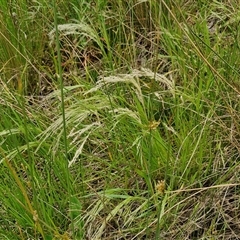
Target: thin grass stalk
column 60, row 77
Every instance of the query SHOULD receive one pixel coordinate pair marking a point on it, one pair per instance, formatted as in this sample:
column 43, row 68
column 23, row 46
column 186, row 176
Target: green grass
column 119, row 120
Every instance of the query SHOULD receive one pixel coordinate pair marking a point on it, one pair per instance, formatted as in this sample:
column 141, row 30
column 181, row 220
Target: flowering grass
column 119, row 120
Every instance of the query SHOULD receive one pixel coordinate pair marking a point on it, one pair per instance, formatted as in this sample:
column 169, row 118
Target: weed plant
column 119, row 119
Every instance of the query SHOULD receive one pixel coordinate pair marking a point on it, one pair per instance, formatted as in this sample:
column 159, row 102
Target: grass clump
column 119, row 120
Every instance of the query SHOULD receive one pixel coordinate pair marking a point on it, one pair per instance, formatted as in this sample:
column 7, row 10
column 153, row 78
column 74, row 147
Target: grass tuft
column 119, row 120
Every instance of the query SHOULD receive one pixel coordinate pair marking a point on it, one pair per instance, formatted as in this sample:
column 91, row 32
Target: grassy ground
column 119, row 119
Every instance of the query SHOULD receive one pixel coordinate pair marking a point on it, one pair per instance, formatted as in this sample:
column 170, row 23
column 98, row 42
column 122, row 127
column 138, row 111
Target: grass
column 119, row 120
